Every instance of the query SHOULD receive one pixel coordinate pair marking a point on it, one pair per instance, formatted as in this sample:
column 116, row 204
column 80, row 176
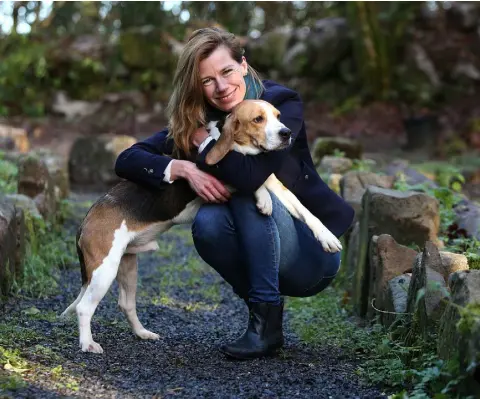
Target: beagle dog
column 129, row 217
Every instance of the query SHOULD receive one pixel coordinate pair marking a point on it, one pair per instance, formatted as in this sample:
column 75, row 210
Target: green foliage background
column 137, row 38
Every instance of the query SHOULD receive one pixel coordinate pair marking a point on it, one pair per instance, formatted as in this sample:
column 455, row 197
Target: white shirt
column 167, row 173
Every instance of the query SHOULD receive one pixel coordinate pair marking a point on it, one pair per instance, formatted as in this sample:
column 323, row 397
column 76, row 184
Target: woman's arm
column 144, row 163
column 248, row 172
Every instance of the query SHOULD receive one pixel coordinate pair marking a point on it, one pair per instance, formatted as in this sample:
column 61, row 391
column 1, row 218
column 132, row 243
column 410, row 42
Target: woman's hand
column 206, row 186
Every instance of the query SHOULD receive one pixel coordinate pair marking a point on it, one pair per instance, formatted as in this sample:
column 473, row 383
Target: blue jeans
column 262, row 257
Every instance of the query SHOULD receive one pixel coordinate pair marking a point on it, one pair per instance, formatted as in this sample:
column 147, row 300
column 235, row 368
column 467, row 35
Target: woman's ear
column 224, row 143
column 244, row 66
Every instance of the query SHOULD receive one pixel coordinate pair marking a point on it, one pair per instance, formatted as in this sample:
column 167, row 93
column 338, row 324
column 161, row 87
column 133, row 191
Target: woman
column 261, row 257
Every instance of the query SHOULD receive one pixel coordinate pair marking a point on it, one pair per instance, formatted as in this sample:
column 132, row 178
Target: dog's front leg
column 329, row 242
column 264, row 201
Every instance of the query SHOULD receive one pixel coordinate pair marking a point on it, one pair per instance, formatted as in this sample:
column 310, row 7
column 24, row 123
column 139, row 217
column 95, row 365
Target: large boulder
column 354, row 184
column 409, row 217
column 268, row 50
column 460, row 324
column 301, row 51
column 387, row 261
column 92, row 159
column 57, row 166
column 307, row 48
column 34, row 181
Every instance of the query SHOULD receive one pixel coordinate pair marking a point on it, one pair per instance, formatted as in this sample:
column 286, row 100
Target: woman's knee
column 310, row 278
column 211, row 223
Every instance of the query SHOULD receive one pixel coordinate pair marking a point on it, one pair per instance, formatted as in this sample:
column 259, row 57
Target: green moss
column 469, row 319
column 473, row 260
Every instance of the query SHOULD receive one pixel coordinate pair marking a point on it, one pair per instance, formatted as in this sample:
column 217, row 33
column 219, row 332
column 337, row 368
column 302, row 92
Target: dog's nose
column 285, row 133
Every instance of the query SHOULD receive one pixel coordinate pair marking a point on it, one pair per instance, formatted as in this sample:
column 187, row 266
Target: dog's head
column 252, row 127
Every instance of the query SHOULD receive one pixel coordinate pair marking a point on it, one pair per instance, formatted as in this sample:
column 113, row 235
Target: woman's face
column 222, row 79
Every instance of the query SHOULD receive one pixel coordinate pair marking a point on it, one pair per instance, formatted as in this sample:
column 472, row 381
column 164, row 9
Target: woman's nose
column 221, row 83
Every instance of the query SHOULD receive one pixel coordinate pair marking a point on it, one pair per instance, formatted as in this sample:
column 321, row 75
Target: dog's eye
column 278, row 116
column 258, row 119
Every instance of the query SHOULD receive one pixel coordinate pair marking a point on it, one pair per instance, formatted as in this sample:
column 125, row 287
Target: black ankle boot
column 264, row 333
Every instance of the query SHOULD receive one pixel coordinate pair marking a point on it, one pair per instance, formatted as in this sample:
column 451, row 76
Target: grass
column 47, row 251
column 19, row 371
column 386, row 357
column 8, row 176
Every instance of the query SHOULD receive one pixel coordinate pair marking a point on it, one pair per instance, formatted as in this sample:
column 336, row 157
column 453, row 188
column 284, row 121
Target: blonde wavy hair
column 187, row 106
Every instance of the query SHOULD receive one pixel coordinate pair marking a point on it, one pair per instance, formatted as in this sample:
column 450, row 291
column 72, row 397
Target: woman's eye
column 258, row 119
column 227, row 72
column 206, row 82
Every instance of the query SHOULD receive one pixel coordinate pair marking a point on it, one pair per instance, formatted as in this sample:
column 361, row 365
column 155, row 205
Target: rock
column 467, row 217
column 430, row 305
column 330, row 164
column 395, row 299
column 295, row 59
column 25, row 203
column 387, row 260
column 460, row 324
column 412, row 177
column 354, row 184
column 334, row 182
column 327, row 146
column 305, row 55
column 92, row 159
column 14, row 139
column 57, row 166
column 352, row 253
column 267, row 51
column 8, row 245
column 35, row 181
column 451, row 263
column 409, row 217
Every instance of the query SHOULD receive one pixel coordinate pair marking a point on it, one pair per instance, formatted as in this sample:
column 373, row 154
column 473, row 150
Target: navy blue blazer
column 145, row 163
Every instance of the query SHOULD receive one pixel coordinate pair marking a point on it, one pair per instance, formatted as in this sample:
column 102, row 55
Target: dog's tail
column 83, row 270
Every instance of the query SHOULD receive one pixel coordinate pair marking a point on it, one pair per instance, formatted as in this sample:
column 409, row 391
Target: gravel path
column 194, row 311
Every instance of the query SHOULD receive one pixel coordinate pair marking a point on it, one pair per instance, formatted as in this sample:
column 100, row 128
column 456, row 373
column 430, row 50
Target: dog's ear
column 225, row 142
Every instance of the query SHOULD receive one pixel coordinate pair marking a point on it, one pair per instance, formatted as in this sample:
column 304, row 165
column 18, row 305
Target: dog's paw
column 145, row 334
column 329, row 242
column 91, row 346
column 264, row 203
